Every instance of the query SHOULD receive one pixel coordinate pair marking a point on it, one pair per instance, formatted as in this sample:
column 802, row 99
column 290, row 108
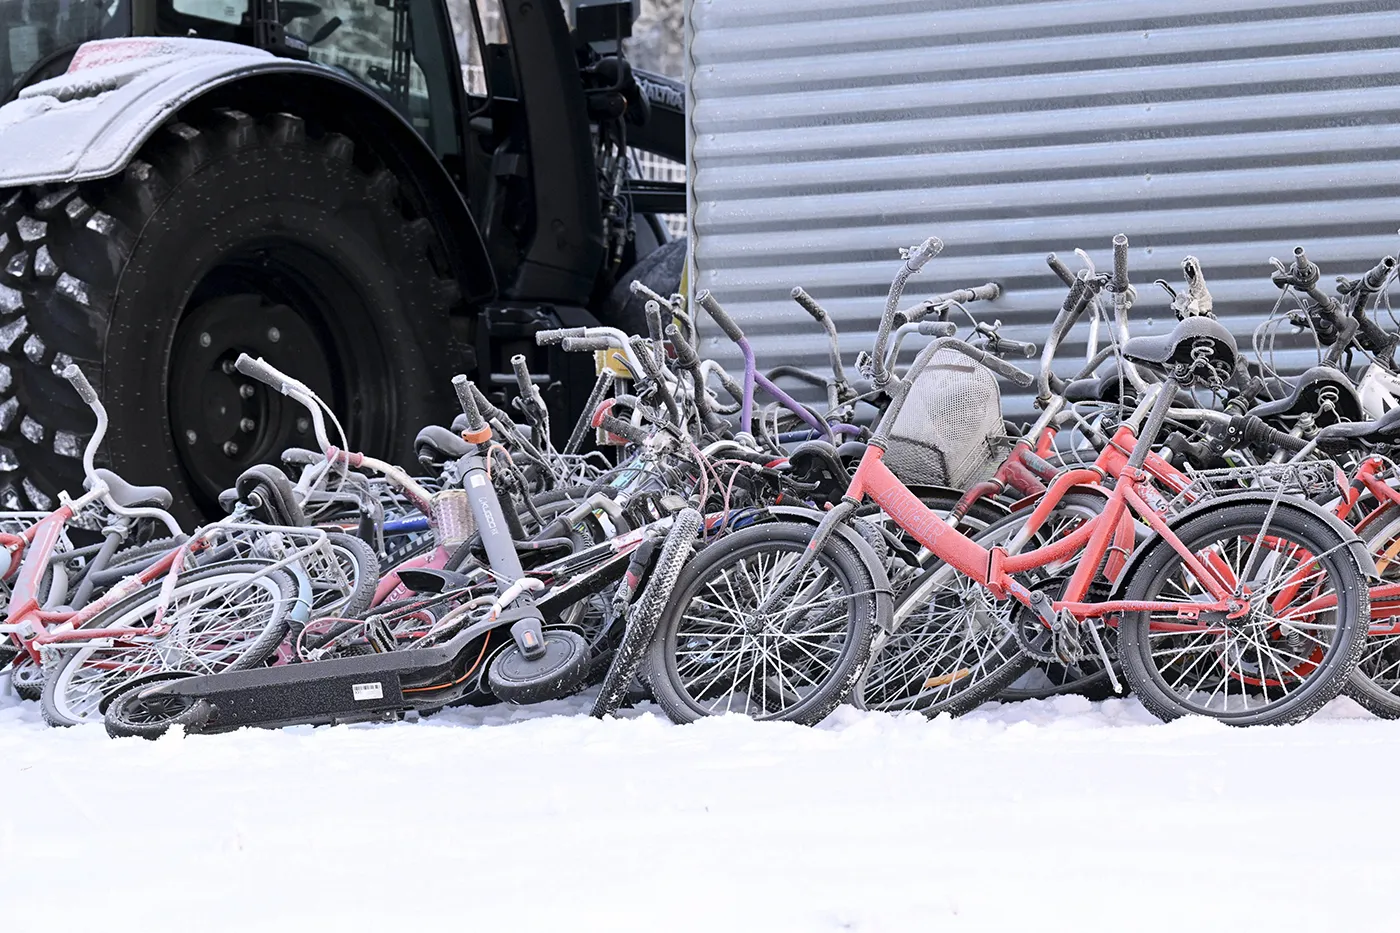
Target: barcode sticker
column 374, row 691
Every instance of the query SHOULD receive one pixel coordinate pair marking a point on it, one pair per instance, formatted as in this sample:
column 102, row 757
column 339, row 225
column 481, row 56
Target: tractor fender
column 1363, row 557
column 89, row 123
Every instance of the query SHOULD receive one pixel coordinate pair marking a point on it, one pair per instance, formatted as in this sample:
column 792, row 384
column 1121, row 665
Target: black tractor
column 182, row 181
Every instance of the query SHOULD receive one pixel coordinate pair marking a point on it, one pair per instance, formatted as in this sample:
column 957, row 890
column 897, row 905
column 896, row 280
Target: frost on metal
column 61, row 361
column 12, row 332
column 6, row 378
column 49, row 201
column 7, row 413
column 32, row 430
column 44, row 266
column 18, row 265
column 8, row 464
column 31, row 230
column 67, row 444
column 34, row 348
column 77, row 208
column 101, row 223
column 40, row 500
column 10, row 300
column 75, row 290
column 9, row 498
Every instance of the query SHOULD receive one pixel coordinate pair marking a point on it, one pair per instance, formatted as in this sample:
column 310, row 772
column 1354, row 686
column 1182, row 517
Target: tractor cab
column 39, row 37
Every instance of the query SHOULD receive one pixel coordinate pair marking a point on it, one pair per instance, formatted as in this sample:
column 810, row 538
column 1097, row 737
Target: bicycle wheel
column 1278, row 663
column 952, row 646
column 360, row 565
column 645, row 613
column 1375, row 683
column 27, row 677
column 221, row 620
column 713, row 654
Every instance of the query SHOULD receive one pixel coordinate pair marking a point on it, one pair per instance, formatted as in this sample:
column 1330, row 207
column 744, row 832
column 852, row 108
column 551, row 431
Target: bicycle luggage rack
column 1311, row 479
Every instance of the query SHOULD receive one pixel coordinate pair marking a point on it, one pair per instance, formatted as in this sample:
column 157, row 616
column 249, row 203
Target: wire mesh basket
column 1311, row 479
column 331, row 571
column 949, row 430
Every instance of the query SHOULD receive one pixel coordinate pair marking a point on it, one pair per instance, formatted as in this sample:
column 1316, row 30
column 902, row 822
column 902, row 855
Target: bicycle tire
column 1375, row 684
column 86, row 678
column 951, row 646
column 645, row 614
column 131, row 716
column 1251, row 655
column 851, row 629
column 361, row 565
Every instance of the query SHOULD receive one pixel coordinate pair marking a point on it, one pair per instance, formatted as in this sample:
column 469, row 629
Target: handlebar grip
column 1008, row 347
column 1060, row 269
column 686, row 357
column 1120, row 262
column 623, row 429
column 638, row 288
column 522, row 373
column 721, row 317
column 550, row 338
column 74, row 375
column 808, row 303
column 467, row 399
column 1255, row 432
column 937, row 328
column 921, row 254
column 994, row 363
column 585, row 344
column 300, row 456
column 991, row 291
column 1306, row 272
column 655, row 323
column 1375, row 278
column 264, row 372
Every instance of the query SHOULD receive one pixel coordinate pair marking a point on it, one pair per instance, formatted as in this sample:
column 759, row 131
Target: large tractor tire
column 229, row 232
column 660, row 270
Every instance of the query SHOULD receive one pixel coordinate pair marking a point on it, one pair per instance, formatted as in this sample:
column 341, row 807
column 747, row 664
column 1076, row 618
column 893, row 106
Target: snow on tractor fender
column 168, row 203
column 88, row 123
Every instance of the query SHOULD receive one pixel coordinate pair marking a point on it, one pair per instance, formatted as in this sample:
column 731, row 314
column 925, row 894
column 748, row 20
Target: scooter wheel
column 130, row 715
column 559, row 672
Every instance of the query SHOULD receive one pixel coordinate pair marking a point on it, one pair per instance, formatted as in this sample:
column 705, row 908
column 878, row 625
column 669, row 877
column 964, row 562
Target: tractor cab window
column 398, row 48
column 38, row 37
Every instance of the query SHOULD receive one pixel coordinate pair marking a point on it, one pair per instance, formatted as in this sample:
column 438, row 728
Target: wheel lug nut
column 303, row 425
column 247, row 424
column 274, row 334
column 191, row 437
column 230, row 449
column 227, row 367
column 205, row 340
column 246, row 390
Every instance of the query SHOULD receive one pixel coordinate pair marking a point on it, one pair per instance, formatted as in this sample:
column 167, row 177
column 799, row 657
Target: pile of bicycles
column 1181, row 520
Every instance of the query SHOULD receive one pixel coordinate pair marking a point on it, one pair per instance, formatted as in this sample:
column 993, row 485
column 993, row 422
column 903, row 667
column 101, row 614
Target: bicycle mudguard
column 1364, row 560
column 337, row 690
column 884, row 592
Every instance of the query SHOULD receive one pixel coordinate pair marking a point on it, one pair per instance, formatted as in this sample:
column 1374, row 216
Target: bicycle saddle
column 428, row 580
column 1384, row 430
column 133, row 497
column 1181, row 345
column 277, row 499
column 1311, row 393
column 300, row 456
column 436, row 443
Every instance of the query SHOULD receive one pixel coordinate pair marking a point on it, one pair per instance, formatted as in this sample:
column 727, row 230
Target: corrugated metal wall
column 826, row 133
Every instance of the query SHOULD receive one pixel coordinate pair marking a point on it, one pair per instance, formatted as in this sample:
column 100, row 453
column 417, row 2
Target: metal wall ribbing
column 827, row 133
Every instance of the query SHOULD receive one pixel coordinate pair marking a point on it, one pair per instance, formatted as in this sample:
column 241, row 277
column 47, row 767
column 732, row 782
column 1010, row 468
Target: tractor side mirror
column 605, row 21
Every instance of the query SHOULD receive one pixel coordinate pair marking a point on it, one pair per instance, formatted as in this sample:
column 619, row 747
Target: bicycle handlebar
column 1060, row 270
column 1376, row 276
column 938, row 328
column 586, row 344
column 549, row 338
column 475, row 423
column 721, row 317
column 1120, row 263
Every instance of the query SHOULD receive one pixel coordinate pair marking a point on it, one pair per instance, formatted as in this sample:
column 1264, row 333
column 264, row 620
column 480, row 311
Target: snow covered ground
column 1042, row 816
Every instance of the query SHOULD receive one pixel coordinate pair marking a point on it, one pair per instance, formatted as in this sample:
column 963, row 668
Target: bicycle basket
column 949, row 429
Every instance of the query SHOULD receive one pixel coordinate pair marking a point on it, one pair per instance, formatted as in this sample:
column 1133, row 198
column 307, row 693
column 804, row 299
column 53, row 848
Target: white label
column 477, row 479
column 374, row 691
